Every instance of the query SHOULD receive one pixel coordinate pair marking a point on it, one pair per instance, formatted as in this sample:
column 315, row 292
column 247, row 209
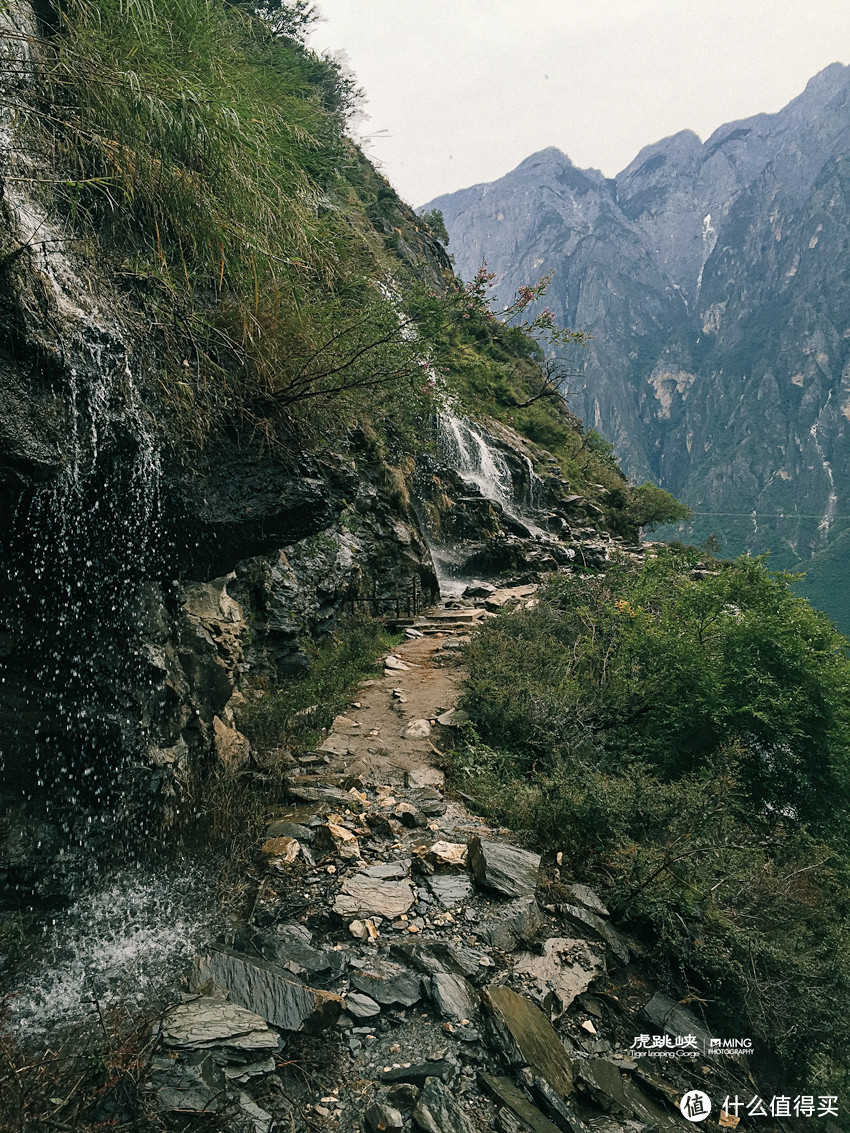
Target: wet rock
column 565, row 970
column 370, row 896
column 361, row 1006
column 387, row 983
column 450, row 889
column 615, row 1093
column 585, row 920
column 584, row 895
column 505, row 1093
column 434, row 956
column 291, row 946
column 232, row 749
column 503, row 868
column 479, row 590
column 453, row 997
column 269, row 990
column 380, row 1117
column 526, row 1037
column 209, row 1022
column 438, row 1112
column 425, row 777
column 420, row 1072
column 416, row 730
column 515, row 924
column 187, row 1086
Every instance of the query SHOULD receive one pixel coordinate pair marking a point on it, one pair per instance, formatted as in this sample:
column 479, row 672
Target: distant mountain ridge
column 715, row 279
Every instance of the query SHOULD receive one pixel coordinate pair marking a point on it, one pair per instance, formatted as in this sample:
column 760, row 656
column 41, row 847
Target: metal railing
column 408, row 600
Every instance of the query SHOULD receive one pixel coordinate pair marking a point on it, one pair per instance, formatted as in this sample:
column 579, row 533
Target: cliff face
column 713, row 278
column 149, row 577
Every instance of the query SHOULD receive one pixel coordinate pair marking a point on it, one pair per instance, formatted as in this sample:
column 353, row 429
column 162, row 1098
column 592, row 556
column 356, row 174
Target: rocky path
column 409, row 967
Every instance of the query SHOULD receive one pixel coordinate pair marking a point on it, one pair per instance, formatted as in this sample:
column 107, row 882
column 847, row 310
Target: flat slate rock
column 450, row 889
column 291, row 946
column 387, row 983
column 388, row 871
column 330, row 795
column 362, row 895
column 428, row 800
column 515, row 924
column 269, row 990
column 361, row 1006
column 281, row 828
column 432, row 956
column 505, row 1093
column 204, row 1023
column 438, row 1112
column 453, row 996
column 584, row 895
column 620, row 1096
column 527, row 1038
column 424, row 777
column 502, row 868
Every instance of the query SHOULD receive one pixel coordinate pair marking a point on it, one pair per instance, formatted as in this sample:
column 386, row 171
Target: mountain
column 714, row 278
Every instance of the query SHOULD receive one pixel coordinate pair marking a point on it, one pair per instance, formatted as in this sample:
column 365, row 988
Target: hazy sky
column 460, row 91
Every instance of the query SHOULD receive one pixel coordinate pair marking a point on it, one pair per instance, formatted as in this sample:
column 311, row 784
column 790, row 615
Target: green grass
column 293, row 713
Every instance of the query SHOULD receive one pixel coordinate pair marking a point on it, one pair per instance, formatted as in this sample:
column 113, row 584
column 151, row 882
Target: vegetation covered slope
column 680, row 734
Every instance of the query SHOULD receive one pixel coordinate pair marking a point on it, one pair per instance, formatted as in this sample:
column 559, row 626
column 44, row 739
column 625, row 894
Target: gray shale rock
column 420, row 1073
column 387, row 983
column 453, row 997
column 503, row 1091
column 585, row 920
column 380, row 1117
column 269, row 990
column 502, row 868
column 527, row 1038
column 438, row 1112
column 428, row 800
column 450, row 889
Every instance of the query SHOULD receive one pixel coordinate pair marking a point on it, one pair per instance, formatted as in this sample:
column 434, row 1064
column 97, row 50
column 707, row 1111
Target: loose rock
column 416, row 730
column 369, row 896
column 505, row 869
column 438, row 1112
column 526, row 1037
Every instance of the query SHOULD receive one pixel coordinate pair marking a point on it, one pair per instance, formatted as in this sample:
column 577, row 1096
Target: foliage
column 296, row 710
column 436, row 222
column 200, row 150
column 681, row 734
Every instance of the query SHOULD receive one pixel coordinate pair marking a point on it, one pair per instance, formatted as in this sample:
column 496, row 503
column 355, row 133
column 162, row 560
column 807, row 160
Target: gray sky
column 460, row 91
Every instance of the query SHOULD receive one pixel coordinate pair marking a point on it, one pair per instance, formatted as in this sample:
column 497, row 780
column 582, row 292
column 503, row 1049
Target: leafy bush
column 681, row 734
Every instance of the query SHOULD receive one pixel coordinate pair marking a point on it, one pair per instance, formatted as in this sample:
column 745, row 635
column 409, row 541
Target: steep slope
column 714, row 279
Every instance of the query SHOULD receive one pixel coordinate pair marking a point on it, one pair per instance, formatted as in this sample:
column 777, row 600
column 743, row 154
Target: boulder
column 450, row 889
column 454, row 718
column 232, row 749
column 479, row 590
column 282, row 828
column 395, row 664
column 416, row 730
column 428, row 800
column 269, row 990
column 361, row 1006
column 502, row 868
column 674, row 1019
column 387, row 983
column 334, row 839
column 438, row 1112
column 362, row 895
column 584, row 895
column 516, row 923
column 380, row 1117
column 452, row 996
column 527, row 1038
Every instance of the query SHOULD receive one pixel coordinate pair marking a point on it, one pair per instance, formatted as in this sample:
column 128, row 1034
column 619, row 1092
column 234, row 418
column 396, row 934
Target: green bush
column 681, row 733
